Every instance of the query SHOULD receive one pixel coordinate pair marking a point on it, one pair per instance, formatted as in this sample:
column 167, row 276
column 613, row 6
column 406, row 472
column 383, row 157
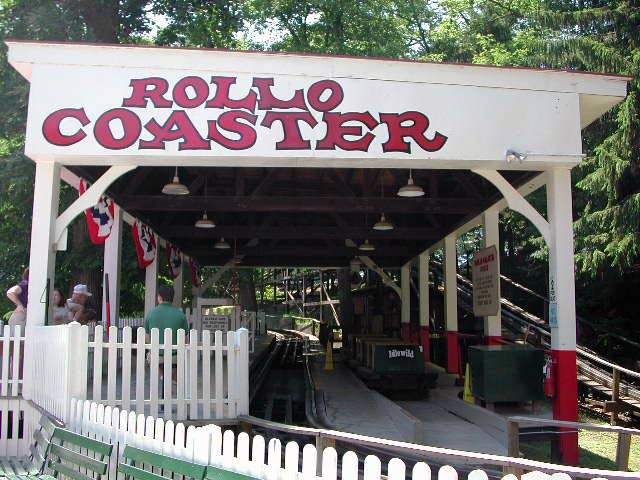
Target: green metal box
column 397, row 357
column 507, row 373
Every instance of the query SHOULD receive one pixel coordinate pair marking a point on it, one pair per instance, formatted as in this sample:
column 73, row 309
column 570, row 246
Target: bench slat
column 215, row 473
column 7, row 468
column 69, row 456
column 19, row 467
column 82, row 441
column 67, row 471
column 138, row 473
column 174, row 465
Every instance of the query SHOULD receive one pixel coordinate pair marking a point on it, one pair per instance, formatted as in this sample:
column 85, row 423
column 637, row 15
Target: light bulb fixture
column 410, row 189
column 366, row 246
column 175, row 187
column 205, row 222
column 355, row 264
column 222, row 245
column 513, row 156
column 383, row 224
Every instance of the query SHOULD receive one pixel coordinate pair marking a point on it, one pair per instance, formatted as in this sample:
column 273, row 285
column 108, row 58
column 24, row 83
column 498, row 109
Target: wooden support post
column 322, row 442
column 245, row 427
column 622, row 451
column 513, row 446
column 304, row 296
column 615, row 395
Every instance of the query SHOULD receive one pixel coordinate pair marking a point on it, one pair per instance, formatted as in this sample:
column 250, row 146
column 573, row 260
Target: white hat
column 81, row 289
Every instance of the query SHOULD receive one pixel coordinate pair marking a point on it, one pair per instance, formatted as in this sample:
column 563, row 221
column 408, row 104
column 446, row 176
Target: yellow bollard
column 328, row 363
column 467, row 396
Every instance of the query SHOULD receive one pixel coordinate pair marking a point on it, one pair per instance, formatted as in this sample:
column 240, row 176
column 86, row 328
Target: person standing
column 19, row 295
column 166, row 315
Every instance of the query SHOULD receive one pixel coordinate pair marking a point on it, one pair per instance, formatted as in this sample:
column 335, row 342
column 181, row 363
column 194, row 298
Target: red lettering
column 51, row 126
column 229, row 121
column 398, row 132
column 222, row 97
column 268, row 101
column 199, row 86
column 152, row 88
column 177, row 126
column 337, row 131
column 131, row 127
column 316, row 90
column 292, row 139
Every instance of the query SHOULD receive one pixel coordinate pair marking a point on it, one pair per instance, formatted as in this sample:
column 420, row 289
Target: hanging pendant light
column 175, row 187
column 205, row 222
column 383, row 224
column 410, row 189
column 221, row 244
column 366, row 246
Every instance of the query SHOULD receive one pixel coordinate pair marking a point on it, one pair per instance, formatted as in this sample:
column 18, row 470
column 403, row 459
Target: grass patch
column 597, row 449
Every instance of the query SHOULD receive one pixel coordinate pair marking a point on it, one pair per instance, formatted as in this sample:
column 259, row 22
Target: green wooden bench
column 77, row 457
column 136, row 460
column 216, row 473
column 57, row 452
column 33, row 464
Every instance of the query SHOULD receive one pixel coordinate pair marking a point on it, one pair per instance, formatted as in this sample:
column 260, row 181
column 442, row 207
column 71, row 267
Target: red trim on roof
column 320, row 55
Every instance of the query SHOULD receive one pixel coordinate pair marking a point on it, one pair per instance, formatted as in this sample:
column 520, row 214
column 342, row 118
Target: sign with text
column 105, row 105
column 215, row 322
column 486, row 282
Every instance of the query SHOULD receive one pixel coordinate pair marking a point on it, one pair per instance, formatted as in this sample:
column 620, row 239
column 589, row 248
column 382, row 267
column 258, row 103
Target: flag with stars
column 99, row 217
column 145, row 241
column 174, row 256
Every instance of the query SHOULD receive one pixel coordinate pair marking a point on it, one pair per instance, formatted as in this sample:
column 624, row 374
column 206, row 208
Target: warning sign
column 215, row 322
column 486, row 282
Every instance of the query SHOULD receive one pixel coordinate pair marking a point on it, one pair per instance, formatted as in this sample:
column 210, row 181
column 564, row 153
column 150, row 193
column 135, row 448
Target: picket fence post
column 76, row 365
column 242, row 373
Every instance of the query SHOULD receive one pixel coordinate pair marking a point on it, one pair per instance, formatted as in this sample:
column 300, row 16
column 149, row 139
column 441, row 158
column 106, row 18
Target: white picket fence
column 11, row 360
column 255, row 456
column 240, row 319
column 17, row 419
column 211, row 374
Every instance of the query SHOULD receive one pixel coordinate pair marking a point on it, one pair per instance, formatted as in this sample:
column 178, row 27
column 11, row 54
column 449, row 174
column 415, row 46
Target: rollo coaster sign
column 237, row 121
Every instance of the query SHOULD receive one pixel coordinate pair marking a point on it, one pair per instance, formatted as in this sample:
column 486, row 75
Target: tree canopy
column 599, row 35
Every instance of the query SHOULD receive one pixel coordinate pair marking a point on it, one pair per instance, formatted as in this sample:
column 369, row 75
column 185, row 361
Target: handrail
column 617, row 336
column 435, row 452
column 623, row 446
column 606, row 363
column 578, row 425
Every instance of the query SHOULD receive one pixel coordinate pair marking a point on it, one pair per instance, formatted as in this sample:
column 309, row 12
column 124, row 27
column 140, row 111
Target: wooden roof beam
column 375, row 205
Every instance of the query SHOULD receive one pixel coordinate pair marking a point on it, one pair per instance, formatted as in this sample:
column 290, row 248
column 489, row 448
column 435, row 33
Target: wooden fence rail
column 623, row 445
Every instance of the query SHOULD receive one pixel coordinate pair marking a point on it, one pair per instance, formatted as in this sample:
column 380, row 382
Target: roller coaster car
column 395, row 366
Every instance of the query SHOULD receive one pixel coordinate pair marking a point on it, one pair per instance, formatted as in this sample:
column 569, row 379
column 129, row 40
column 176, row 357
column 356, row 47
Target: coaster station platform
column 295, row 157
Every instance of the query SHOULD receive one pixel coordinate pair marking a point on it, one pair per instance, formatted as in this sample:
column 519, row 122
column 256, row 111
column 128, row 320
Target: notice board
column 486, row 282
column 215, row 322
